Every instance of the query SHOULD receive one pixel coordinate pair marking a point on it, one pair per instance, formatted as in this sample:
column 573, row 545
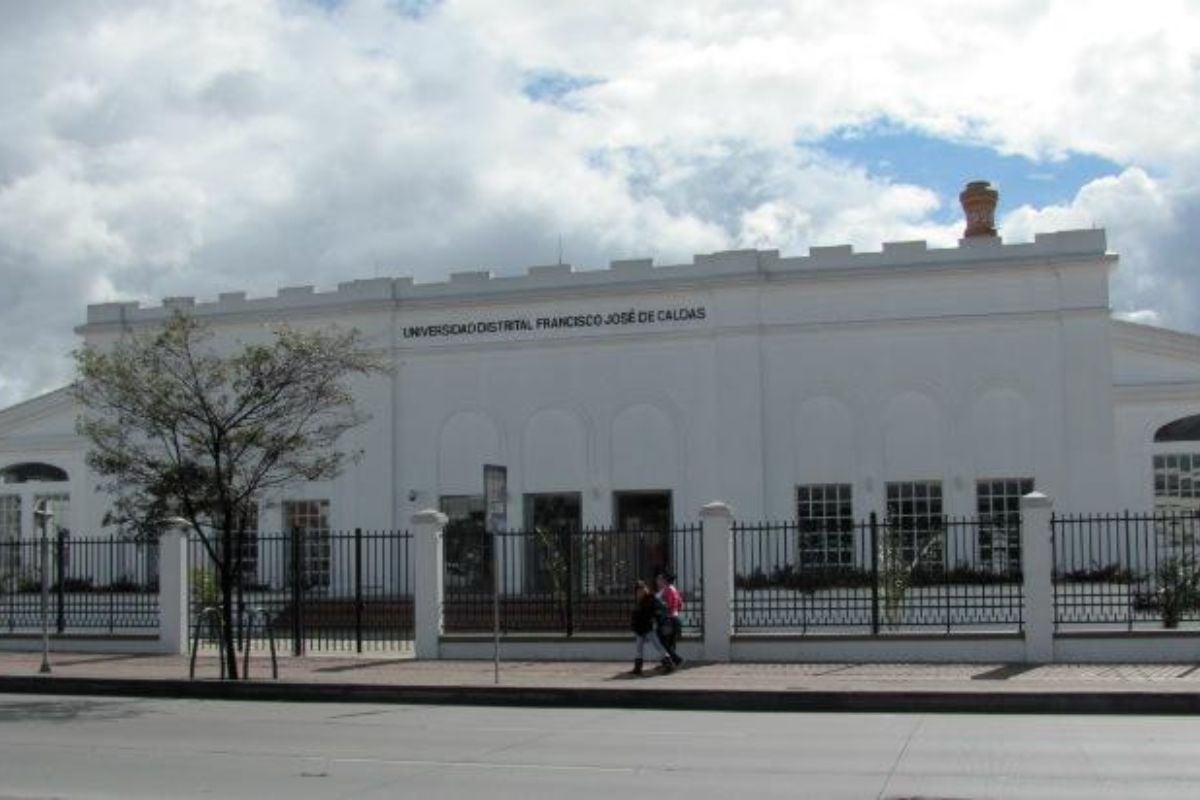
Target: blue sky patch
column 555, row 87
column 413, row 9
column 945, row 166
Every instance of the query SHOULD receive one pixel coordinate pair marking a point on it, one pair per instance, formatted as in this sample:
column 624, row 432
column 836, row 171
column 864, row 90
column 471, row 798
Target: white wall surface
column 984, row 361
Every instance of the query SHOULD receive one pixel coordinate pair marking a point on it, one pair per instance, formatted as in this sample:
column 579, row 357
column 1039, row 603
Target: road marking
column 416, row 762
column 694, row 734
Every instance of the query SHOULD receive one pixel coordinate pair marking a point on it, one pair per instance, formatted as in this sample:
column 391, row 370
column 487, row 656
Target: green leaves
column 182, row 424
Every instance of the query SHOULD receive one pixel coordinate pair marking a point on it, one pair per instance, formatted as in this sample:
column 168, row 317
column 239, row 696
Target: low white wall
column 1128, row 647
column 609, row 648
column 22, row 643
column 944, row 649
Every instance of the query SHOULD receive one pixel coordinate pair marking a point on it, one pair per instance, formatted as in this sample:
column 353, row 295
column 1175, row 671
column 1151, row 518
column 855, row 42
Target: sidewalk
column 1005, row 688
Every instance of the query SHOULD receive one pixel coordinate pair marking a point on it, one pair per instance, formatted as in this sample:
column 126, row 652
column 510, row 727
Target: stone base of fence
column 83, row 643
column 1167, row 647
column 613, row 647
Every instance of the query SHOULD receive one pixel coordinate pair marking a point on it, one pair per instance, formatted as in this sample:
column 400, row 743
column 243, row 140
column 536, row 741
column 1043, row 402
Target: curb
column 863, row 701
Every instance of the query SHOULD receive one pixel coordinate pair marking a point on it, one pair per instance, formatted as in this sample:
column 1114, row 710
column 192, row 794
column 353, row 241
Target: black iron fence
column 96, row 585
column 876, row 576
column 567, row 581
column 319, row 590
column 1126, row 571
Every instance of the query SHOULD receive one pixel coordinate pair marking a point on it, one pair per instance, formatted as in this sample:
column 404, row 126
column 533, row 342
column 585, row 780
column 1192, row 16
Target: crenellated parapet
column 914, row 257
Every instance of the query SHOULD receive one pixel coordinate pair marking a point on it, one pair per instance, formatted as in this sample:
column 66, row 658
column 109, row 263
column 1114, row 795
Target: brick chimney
column 979, row 205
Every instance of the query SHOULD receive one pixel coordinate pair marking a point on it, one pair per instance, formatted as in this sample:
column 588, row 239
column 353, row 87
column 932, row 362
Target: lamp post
column 42, row 514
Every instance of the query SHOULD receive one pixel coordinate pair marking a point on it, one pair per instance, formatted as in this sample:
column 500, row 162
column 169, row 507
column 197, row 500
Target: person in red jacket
column 669, row 627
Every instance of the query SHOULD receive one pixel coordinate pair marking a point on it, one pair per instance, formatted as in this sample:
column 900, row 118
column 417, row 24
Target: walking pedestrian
column 647, row 611
column 669, row 627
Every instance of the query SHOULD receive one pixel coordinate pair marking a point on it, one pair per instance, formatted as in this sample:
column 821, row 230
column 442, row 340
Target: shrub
column 124, row 584
column 76, row 585
column 1110, row 573
column 205, row 587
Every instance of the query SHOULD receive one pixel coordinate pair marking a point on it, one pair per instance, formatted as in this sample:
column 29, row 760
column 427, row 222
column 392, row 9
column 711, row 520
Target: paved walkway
column 1145, row 688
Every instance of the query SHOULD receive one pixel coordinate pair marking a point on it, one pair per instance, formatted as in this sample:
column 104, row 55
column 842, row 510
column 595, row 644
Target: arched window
column 32, row 472
column 1181, row 430
column 1177, row 469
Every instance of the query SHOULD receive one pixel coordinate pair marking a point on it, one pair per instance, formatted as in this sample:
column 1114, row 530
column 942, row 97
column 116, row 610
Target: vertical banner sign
column 495, row 499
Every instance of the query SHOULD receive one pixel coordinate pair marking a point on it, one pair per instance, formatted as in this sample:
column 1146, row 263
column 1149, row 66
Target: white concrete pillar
column 173, row 590
column 716, row 521
column 427, row 529
column 1037, row 564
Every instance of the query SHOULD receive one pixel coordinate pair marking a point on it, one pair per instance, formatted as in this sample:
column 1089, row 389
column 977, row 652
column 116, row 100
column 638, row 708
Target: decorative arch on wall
column 645, row 450
column 467, row 441
column 1184, row 429
column 1001, row 435
column 554, row 452
column 32, row 472
column 825, row 447
column 913, row 437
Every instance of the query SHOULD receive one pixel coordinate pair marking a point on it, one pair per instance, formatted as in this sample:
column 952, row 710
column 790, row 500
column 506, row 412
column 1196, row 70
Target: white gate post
column 1037, row 564
column 427, row 529
column 716, row 521
column 173, row 592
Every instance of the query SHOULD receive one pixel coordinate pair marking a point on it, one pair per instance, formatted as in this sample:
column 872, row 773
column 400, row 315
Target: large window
column 1177, row 474
column 914, row 516
column 825, row 517
column 1177, row 482
column 998, row 504
column 311, row 517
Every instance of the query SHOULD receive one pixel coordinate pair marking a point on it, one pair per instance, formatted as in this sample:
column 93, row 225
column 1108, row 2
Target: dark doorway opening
column 551, row 519
column 647, row 512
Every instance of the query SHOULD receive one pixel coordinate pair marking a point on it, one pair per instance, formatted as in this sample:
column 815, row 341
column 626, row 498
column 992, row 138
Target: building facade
column 909, row 381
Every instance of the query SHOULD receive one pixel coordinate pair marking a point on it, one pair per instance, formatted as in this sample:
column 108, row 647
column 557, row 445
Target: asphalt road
column 74, row 747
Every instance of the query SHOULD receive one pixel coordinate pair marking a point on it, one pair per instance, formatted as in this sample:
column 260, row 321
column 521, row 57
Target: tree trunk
column 228, row 651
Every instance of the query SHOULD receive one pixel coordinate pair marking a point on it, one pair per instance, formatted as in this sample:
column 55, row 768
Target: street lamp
column 42, row 514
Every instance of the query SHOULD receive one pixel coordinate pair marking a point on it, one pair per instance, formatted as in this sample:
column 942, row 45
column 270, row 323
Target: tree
column 179, row 427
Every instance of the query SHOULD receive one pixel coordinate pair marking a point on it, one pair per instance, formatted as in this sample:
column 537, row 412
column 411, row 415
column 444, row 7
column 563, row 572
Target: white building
column 941, row 381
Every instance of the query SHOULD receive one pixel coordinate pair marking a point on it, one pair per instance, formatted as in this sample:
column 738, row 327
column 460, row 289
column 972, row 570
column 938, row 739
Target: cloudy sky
column 152, row 149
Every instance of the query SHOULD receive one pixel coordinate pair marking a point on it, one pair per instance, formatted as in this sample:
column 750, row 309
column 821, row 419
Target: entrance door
column 649, row 514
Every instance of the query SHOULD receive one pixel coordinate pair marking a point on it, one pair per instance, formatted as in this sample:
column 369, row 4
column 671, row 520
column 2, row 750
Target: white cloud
column 153, row 149
column 1151, row 225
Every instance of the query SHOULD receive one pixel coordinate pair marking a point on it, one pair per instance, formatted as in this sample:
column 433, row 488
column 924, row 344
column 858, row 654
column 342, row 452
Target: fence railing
column 96, row 585
column 1126, row 570
column 319, row 590
column 565, row 582
column 875, row 576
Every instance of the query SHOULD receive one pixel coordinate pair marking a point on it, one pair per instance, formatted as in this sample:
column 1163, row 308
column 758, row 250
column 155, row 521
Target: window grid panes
column 312, row 518
column 998, row 504
column 1177, row 482
column 825, row 517
column 914, row 515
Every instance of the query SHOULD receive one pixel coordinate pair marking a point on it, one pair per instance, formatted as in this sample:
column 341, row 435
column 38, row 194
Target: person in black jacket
column 647, row 611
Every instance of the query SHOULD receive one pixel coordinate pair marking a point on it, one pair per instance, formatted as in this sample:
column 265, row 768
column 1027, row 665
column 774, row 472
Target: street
column 76, row 747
